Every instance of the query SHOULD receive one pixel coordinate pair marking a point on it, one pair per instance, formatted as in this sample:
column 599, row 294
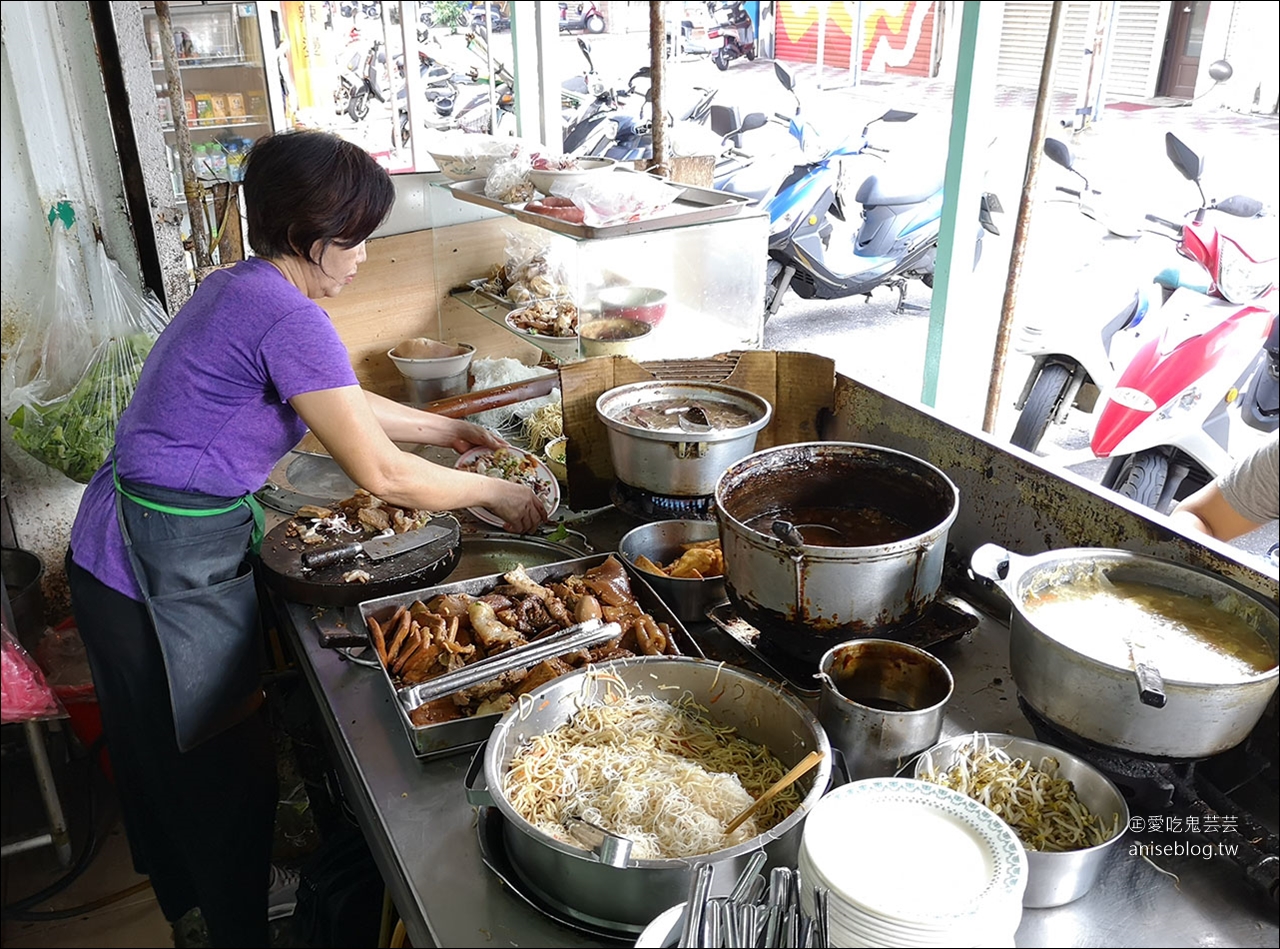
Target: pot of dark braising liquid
column 870, row 536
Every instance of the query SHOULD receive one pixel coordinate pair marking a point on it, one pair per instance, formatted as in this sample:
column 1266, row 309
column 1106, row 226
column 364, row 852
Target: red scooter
column 1201, row 386
column 583, row 16
column 735, row 31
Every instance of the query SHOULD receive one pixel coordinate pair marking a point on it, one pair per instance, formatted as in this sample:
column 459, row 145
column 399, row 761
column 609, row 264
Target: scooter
column 362, row 77
column 584, row 16
column 441, row 92
column 897, row 238
column 1200, row 388
column 736, row 32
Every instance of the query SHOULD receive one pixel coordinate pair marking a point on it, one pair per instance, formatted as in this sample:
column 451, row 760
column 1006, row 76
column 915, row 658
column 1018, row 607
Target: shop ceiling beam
column 958, row 326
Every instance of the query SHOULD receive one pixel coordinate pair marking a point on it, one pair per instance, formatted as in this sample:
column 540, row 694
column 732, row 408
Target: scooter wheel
column 721, row 59
column 1142, row 477
column 1041, row 406
column 751, row 54
column 358, row 107
column 595, row 23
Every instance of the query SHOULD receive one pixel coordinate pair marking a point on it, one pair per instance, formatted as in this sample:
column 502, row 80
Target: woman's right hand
column 517, row 505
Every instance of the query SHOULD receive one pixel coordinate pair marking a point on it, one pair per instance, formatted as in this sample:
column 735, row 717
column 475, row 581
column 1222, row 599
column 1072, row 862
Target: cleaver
column 379, row 548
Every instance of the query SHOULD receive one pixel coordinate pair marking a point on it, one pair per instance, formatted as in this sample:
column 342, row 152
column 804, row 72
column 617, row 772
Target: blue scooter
column 896, row 240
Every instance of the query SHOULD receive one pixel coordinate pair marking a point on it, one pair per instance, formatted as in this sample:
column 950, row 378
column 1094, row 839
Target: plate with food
column 511, row 464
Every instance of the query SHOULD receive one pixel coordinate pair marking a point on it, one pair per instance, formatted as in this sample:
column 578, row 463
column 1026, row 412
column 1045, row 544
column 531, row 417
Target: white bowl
column 563, row 348
column 558, row 465
column 565, row 181
column 466, row 157
column 440, row 367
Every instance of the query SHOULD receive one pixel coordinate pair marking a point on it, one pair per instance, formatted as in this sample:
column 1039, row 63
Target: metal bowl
column 628, row 896
column 1053, row 879
column 660, row 542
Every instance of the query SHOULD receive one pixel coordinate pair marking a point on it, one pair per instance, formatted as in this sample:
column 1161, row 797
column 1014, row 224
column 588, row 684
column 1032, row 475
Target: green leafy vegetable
column 74, row 434
column 560, row 533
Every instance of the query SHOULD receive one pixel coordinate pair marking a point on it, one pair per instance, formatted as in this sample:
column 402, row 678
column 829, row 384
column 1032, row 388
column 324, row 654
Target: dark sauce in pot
column 859, row 526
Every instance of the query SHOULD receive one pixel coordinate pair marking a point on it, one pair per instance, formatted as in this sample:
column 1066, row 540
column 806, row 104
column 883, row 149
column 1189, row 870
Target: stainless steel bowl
column 661, row 542
column 626, row 896
column 674, row 461
column 1053, row 879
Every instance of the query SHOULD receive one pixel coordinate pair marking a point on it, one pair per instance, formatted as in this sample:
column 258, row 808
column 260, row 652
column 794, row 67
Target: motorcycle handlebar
column 1070, row 191
column 1159, row 220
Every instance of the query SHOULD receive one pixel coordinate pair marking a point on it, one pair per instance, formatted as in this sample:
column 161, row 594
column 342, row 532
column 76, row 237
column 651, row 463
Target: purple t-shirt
column 211, row 410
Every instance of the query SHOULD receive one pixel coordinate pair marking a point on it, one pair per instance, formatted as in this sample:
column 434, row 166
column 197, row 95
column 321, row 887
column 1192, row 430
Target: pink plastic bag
column 24, row 694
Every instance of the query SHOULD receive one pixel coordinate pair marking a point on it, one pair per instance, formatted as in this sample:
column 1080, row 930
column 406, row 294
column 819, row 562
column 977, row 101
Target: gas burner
column 942, row 622
column 1179, row 788
column 648, row 506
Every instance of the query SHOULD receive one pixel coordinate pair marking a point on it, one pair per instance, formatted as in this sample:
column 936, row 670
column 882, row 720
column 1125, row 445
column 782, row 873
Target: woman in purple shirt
column 160, row 588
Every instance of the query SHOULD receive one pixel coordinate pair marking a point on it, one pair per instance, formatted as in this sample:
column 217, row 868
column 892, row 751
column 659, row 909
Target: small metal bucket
column 881, row 703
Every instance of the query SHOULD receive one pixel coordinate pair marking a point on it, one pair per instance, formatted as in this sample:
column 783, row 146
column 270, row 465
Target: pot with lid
column 599, row 882
column 675, row 438
column 829, row 541
column 1136, row 653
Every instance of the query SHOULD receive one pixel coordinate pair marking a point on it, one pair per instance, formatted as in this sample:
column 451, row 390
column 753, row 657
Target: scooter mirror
column 758, row 120
column 784, row 76
column 1238, row 205
column 1184, row 159
column 1220, row 71
column 1056, row 150
column 896, row 115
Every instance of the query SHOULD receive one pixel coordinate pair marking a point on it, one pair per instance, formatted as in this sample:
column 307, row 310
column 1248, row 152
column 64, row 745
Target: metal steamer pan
column 1102, row 702
column 676, row 462
column 807, row 597
column 628, row 896
column 443, row 738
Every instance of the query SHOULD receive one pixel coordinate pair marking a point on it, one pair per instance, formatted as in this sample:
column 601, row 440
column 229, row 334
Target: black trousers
column 200, row 822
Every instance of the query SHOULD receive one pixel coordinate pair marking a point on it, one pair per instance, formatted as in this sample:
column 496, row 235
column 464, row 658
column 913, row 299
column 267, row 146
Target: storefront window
column 343, row 67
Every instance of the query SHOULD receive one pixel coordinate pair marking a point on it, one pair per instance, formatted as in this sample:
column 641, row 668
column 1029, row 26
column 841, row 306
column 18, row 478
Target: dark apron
column 188, row 556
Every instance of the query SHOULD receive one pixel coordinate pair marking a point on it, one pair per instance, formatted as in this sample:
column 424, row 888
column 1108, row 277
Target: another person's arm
column 1244, row 498
column 346, row 423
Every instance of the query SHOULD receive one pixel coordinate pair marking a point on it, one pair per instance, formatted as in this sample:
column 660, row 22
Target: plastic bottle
column 235, row 162
column 218, row 161
column 200, row 161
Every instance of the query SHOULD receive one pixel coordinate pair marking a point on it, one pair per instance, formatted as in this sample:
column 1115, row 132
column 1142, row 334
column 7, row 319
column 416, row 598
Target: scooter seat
column 891, row 188
column 756, row 181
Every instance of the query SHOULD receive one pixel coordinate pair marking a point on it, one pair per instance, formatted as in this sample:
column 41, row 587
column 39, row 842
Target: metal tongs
column 582, row 636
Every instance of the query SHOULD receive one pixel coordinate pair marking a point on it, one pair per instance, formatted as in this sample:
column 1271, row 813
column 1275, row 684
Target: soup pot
column 686, row 459
column 805, row 597
column 605, row 885
column 1078, row 687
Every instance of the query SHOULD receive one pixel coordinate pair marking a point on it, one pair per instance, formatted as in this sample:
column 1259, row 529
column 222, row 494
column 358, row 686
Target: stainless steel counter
column 423, row 833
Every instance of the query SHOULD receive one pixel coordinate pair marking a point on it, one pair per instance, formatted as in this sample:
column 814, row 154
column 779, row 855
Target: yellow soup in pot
column 1188, row 638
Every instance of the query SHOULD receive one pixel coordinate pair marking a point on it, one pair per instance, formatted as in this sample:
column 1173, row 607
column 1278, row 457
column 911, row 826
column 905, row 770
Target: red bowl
column 647, row 304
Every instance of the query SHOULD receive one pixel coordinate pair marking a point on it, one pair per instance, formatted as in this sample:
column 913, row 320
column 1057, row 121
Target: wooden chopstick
column 788, row 779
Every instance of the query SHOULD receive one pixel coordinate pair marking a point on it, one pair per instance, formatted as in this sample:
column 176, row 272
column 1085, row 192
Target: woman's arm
column 1209, row 512
column 402, row 423
column 347, row 426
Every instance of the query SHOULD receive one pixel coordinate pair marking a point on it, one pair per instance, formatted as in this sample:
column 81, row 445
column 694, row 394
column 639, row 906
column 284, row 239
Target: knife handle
column 315, row 559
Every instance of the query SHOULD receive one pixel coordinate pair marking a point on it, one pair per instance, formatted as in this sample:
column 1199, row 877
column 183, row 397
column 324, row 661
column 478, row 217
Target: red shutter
column 897, row 38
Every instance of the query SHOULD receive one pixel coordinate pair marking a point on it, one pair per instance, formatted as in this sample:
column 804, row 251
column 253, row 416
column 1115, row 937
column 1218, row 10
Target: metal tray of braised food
column 451, row 724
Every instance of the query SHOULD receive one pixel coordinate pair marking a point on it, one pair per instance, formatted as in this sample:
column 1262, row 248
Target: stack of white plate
column 908, row 863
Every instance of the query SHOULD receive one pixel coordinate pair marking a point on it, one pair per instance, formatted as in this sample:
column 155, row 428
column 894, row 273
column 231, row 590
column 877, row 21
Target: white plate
column 897, row 849
column 541, row 472
column 664, row 931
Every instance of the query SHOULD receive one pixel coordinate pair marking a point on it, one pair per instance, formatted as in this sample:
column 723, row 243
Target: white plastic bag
column 74, row 431
column 57, row 340
column 618, row 198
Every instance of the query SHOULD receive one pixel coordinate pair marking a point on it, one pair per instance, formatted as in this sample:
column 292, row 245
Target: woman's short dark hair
column 303, row 187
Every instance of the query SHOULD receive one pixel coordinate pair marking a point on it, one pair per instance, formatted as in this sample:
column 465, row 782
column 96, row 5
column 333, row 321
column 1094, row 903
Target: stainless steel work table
column 422, row 831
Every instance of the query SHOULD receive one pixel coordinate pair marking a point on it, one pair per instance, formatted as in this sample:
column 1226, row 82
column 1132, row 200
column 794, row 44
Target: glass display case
column 699, row 286
column 220, row 55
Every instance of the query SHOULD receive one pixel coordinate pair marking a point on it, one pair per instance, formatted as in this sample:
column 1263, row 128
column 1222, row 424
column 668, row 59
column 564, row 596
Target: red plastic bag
column 24, row 694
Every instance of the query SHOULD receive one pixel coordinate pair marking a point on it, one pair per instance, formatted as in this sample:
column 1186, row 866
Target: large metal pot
column 807, row 597
column 681, row 462
column 1113, row 704
column 624, row 893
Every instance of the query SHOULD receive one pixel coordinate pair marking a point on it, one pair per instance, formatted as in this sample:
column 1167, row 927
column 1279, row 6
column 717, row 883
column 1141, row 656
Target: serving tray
column 442, row 738
column 694, row 205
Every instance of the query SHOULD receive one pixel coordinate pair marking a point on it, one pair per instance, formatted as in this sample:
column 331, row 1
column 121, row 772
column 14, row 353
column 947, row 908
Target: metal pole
column 1039, row 125
column 488, row 58
column 657, row 62
column 182, row 136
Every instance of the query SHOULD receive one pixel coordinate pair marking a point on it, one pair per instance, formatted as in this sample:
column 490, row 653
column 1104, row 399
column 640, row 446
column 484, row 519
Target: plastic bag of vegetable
column 55, row 341
column 74, row 432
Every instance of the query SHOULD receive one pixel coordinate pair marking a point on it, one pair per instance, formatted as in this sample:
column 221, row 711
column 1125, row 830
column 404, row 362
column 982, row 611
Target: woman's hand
column 467, row 435
column 517, row 505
